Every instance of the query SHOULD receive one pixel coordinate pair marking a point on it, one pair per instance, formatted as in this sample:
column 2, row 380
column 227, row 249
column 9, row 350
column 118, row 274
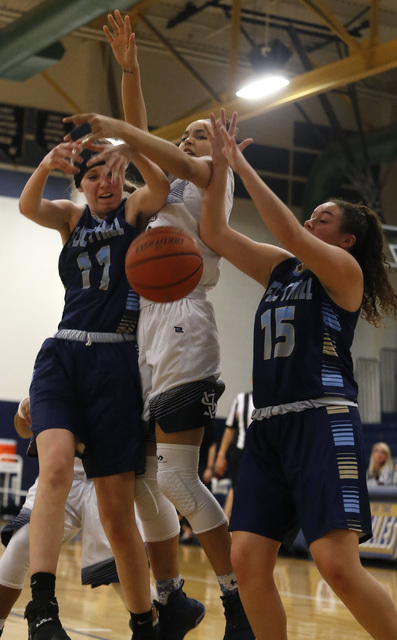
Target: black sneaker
column 237, row 625
column 139, row 635
column 179, row 615
column 43, row 621
column 154, row 635
column 145, row 636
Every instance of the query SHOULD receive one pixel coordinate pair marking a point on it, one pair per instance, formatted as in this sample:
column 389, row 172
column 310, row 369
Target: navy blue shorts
column 185, row 407
column 94, row 392
column 303, row 470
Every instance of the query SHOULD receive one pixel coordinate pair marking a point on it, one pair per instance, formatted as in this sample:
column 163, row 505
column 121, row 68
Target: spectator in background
column 381, row 467
column 237, row 423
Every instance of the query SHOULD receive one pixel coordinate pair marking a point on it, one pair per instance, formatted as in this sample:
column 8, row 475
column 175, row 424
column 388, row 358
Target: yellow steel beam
column 321, row 11
column 373, row 40
column 57, row 87
column 233, row 47
column 332, row 76
column 141, row 6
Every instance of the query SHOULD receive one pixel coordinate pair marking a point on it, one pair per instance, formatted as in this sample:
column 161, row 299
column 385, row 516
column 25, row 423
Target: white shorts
column 81, row 514
column 178, row 344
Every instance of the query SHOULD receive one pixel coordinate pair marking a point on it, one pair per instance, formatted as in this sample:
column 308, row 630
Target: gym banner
column 383, row 544
column 12, row 120
column 50, row 130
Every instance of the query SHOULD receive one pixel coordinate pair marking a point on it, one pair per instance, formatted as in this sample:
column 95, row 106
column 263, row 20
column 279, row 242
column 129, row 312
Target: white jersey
column 183, row 210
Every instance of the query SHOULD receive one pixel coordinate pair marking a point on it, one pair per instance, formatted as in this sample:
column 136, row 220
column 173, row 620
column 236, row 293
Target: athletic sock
column 227, row 583
column 42, row 585
column 165, row 587
column 142, row 623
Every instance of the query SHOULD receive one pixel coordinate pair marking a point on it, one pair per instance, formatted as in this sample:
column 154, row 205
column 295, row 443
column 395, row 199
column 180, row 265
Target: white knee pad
column 178, row 479
column 14, row 563
column 158, row 515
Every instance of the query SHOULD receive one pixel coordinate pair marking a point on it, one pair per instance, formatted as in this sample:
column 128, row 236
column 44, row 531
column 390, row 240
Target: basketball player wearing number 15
column 85, row 383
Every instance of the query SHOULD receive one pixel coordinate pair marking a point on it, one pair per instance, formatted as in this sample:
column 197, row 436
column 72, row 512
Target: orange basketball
column 164, row 264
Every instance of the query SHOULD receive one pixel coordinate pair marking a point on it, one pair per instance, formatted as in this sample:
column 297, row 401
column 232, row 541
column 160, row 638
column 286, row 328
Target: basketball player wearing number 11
column 179, row 359
column 86, row 383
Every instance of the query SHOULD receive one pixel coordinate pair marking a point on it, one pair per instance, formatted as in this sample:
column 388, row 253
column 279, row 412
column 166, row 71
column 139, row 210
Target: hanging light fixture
column 266, row 62
column 262, row 87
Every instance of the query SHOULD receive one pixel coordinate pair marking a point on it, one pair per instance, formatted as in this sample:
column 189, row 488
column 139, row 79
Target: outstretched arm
column 61, row 215
column 122, row 41
column 164, row 153
column 150, row 198
column 337, row 270
column 253, row 258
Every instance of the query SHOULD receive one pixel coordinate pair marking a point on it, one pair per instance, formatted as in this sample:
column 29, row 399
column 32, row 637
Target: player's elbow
column 210, row 237
column 25, row 209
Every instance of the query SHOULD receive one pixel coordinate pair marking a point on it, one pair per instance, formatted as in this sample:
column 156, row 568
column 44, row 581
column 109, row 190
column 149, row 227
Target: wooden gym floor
column 314, row 613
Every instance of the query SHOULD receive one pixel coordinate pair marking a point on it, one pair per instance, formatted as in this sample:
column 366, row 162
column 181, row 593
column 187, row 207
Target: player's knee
column 192, row 499
column 239, row 554
column 335, row 572
column 157, row 514
column 57, row 475
column 145, row 499
column 14, row 563
column 19, row 543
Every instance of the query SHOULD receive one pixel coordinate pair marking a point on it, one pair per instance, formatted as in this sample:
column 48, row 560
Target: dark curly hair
column 379, row 299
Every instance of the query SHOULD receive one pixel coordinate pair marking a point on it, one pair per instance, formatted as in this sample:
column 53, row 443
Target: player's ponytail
column 379, row 297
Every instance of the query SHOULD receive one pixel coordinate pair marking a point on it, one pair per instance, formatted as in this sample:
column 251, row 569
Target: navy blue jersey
column 92, row 269
column 302, row 341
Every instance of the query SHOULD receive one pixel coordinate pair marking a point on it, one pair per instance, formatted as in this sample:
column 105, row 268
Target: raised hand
column 62, row 157
column 101, row 126
column 222, row 140
column 214, row 137
column 116, row 158
column 122, row 41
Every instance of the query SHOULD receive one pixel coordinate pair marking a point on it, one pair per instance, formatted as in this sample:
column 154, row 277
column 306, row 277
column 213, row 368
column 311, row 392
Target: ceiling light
column 262, row 87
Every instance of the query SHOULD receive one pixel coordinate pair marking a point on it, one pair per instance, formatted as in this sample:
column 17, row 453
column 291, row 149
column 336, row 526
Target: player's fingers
column 113, row 24
column 207, row 130
column 107, row 33
column 99, row 157
column 118, row 172
column 232, row 124
column 119, row 20
column 222, row 117
column 77, row 118
column 245, row 143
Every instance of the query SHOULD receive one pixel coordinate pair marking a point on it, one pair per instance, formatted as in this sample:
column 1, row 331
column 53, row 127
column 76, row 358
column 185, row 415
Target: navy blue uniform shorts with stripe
column 95, row 392
column 303, row 470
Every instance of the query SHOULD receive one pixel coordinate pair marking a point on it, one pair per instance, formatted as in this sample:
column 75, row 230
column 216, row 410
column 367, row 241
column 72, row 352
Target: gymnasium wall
column 32, row 299
column 30, row 290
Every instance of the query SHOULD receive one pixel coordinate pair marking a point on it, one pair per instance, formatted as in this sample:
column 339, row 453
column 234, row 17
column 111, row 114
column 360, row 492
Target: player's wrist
column 131, row 71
